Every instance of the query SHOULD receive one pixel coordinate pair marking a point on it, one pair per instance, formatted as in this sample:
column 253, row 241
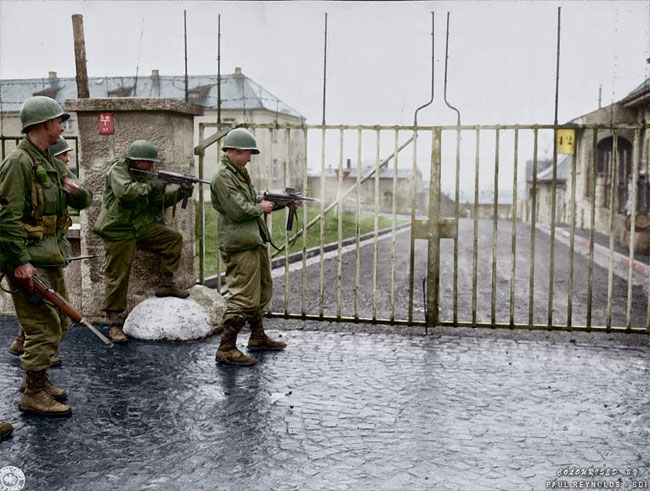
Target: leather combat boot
column 5, row 430
column 16, row 347
column 260, row 341
column 228, row 352
column 37, row 400
column 115, row 331
column 55, row 392
column 168, row 288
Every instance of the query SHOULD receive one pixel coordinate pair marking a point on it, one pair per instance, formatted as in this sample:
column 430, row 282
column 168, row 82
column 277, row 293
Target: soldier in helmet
column 132, row 205
column 242, row 242
column 59, row 150
column 38, row 190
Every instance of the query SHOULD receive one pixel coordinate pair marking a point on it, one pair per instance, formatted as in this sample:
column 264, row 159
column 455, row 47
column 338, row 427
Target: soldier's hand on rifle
column 267, row 206
column 158, row 185
column 25, row 274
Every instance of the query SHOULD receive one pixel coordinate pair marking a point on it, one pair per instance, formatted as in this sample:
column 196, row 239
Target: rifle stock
column 64, row 306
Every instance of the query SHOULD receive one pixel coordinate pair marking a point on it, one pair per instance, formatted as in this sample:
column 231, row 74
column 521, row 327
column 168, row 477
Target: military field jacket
column 131, row 203
column 34, row 221
column 241, row 219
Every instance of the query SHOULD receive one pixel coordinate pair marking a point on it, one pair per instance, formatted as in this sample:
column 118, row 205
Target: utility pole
column 83, row 91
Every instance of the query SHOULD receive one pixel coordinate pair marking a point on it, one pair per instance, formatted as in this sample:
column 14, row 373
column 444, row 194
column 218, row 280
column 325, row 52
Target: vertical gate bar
column 201, row 217
column 513, row 241
column 394, row 228
column 457, row 216
column 551, row 259
column 357, row 258
column 286, row 232
column 266, row 179
column 572, row 213
column 475, row 247
column 495, row 218
column 612, row 212
column 592, row 225
column 340, row 208
column 412, row 238
column 635, row 172
column 321, row 288
column 376, row 231
column 305, row 183
column 433, row 252
column 216, row 222
column 533, row 225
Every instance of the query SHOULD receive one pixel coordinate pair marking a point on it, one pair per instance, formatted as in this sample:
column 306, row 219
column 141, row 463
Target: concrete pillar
column 168, row 123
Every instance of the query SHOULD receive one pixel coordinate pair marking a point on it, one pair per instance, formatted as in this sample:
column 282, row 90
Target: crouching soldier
column 59, row 150
column 132, row 206
column 242, row 243
column 33, row 224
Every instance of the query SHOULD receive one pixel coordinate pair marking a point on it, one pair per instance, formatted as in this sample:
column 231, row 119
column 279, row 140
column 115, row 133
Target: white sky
column 502, row 54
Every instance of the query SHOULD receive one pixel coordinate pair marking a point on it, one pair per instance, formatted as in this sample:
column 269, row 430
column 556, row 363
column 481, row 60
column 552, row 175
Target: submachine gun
column 185, row 181
column 288, row 198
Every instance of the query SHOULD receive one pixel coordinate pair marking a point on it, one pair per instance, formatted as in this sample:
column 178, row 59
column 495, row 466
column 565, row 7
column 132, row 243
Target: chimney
column 349, row 164
column 51, row 75
column 155, row 73
column 237, row 70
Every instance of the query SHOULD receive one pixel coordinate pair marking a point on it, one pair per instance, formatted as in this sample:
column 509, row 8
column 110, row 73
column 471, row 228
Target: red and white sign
column 105, row 124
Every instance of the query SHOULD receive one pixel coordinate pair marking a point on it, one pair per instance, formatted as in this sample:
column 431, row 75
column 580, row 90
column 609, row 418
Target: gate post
column 433, row 250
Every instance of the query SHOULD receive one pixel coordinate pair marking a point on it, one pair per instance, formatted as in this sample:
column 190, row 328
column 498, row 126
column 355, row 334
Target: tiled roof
column 238, row 92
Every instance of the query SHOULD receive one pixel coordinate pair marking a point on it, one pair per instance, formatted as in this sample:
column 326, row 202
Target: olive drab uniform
column 132, row 205
column 33, row 227
column 243, row 235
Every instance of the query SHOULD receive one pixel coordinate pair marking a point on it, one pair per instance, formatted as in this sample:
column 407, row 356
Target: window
column 622, row 163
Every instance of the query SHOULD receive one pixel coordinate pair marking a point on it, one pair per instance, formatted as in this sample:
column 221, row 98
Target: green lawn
column 366, row 222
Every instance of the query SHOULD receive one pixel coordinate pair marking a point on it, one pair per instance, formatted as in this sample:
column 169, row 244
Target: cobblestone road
column 346, row 409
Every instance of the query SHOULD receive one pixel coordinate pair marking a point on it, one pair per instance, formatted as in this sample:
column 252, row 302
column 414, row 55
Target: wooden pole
column 83, row 91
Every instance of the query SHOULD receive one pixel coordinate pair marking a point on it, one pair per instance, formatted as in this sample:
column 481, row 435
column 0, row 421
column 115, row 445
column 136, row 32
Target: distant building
column 407, row 183
column 242, row 101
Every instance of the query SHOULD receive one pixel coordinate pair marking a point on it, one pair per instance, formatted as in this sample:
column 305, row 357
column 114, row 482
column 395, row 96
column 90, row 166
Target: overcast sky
column 501, row 56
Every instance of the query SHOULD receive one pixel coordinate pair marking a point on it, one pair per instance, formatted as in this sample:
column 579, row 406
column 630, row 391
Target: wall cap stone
column 132, row 104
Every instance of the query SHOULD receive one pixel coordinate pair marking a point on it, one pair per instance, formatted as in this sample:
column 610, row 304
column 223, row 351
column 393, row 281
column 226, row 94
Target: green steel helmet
column 39, row 109
column 143, row 150
column 240, row 139
column 60, row 147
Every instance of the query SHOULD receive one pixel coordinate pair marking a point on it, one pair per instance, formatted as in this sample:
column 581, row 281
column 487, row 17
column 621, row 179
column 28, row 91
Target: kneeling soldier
column 33, row 224
column 132, row 205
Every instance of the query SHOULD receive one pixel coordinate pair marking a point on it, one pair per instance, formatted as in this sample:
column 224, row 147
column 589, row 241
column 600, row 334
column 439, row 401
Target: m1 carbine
column 185, row 181
column 288, row 198
column 46, row 292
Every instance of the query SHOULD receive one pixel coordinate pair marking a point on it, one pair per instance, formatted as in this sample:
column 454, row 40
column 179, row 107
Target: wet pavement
column 344, row 407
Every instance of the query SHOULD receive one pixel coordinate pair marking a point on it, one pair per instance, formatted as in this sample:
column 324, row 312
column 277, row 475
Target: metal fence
column 445, row 269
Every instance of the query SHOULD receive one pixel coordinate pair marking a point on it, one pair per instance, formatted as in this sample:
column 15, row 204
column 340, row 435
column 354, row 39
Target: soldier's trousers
column 248, row 275
column 44, row 324
column 161, row 240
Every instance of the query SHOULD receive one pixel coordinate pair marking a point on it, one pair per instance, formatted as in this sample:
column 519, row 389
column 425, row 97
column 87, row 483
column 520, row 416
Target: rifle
column 49, row 294
column 288, row 198
column 185, row 181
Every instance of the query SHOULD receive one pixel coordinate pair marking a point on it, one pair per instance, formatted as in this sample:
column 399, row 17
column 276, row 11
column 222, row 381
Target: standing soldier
column 33, row 224
column 242, row 242
column 59, row 150
column 132, row 206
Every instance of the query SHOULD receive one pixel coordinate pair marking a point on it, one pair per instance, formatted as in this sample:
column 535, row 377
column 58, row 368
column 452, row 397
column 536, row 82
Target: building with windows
column 242, row 101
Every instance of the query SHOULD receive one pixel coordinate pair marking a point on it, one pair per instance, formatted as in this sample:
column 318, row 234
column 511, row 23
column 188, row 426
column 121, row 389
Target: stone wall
column 168, row 123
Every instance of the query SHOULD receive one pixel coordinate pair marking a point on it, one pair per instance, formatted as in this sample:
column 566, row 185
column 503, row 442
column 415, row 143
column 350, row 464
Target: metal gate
column 500, row 237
